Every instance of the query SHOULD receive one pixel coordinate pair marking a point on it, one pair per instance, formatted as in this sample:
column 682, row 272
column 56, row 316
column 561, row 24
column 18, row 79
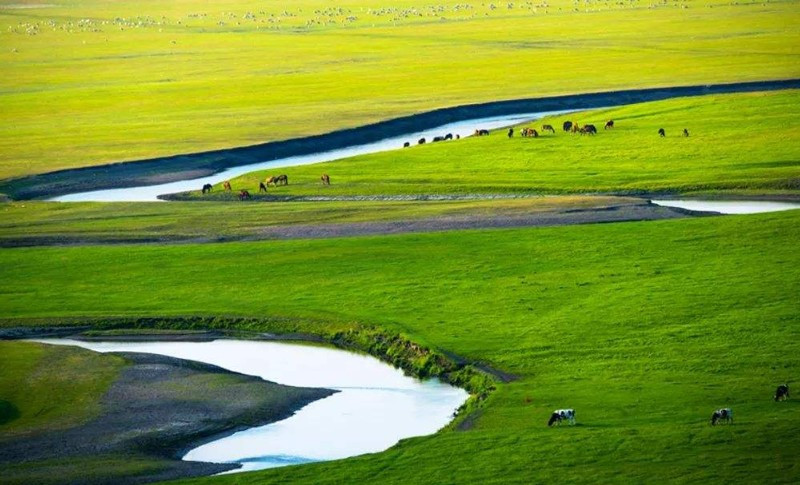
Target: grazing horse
column 448, row 136
column 406, row 144
column 576, row 128
column 458, row 137
column 262, row 187
column 421, row 141
column 567, row 126
column 511, row 132
column 270, row 180
column 207, row 188
column 548, row 128
column 609, row 125
column 481, row 132
column 588, row 130
column 438, row 138
column 560, row 415
column 244, row 195
column 782, row 392
column 282, row 180
column 722, row 415
column 226, row 185
column 326, row 179
column 662, row 132
column 685, row 132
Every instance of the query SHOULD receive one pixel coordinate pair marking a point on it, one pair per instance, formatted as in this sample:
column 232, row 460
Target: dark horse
column 567, row 126
column 282, row 180
column 448, row 136
column 481, row 132
column 262, row 187
column 588, row 130
column 782, row 392
column 609, row 125
column 207, row 188
column 685, row 132
column 326, row 179
column 406, row 145
column 548, row 128
column 662, row 132
column 438, row 138
column 244, row 195
column 421, row 141
column 722, row 415
column 511, row 132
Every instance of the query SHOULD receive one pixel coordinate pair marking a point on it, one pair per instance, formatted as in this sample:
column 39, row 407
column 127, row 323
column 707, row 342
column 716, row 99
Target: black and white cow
column 722, row 415
column 560, row 415
column 782, row 392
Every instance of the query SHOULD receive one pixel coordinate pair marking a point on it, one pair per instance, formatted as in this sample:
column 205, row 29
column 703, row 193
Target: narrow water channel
column 729, row 206
column 376, row 407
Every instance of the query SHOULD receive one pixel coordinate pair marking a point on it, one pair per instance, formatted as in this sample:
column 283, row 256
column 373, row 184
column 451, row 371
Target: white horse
column 560, row 415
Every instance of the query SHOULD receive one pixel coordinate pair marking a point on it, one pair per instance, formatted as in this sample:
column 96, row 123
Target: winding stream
column 150, row 193
column 376, row 407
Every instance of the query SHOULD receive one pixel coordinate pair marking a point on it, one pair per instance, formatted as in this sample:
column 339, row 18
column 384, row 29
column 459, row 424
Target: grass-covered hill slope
column 738, row 143
column 85, row 82
column 643, row 328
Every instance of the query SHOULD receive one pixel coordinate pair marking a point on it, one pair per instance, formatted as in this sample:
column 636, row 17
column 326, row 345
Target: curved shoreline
column 188, row 166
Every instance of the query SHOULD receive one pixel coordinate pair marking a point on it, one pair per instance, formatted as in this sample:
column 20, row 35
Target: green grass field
column 85, row 82
column 47, row 388
column 740, row 142
column 644, row 328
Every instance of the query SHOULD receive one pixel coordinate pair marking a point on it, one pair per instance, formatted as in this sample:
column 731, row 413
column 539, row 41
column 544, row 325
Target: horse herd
column 276, row 180
column 723, row 415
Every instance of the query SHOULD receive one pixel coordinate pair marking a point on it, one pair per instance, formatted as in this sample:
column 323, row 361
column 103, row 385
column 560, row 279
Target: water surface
column 729, row 206
column 378, row 405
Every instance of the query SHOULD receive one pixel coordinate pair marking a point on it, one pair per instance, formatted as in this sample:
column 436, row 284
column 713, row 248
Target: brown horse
column 530, row 133
column 588, row 130
column 575, row 128
column 326, row 179
column 270, row 180
column 226, row 185
column 282, row 180
column 548, row 128
column 244, row 195
column 609, row 125
column 262, row 187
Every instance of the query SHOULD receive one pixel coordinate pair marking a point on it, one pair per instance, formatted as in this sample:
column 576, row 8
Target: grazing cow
column 262, row 187
column 282, row 180
column 226, row 185
column 782, row 392
column 609, row 125
column 722, row 415
column 588, row 130
column 481, row 132
column 511, row 132
column 662, row 132
column 567, row 126
column 438, row 138
column 406, row 144
column 244, row 195
column 548, row 128
column 326, row 179
column 685, row 132
column 448, row 136
column 560, row 415
column 207, row 188
column 421, row 141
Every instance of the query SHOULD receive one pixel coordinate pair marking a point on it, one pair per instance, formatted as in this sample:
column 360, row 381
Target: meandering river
column 376, row 407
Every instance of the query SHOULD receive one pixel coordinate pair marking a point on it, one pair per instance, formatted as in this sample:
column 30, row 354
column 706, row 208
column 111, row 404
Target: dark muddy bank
column 150, row 412
column 188, row 166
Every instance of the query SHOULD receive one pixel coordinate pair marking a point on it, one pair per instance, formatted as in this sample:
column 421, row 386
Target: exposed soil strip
column 188, row 166
column 618, row 213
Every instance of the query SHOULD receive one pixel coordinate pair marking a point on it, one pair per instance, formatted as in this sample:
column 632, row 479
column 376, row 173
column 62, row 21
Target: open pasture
column 643, row 328
column 86, row 82
column 738, row 143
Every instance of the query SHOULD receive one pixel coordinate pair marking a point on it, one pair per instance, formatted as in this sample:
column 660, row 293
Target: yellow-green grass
column 643, row 328
column 739, row 142
column 181, row 220
column 77, row 94
column 46, row 388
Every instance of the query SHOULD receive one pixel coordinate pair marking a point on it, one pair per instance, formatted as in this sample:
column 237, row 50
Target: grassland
column 53, row 223
column 720, row 155
column 51, row 389
column 140, row 79
column 644, row 328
